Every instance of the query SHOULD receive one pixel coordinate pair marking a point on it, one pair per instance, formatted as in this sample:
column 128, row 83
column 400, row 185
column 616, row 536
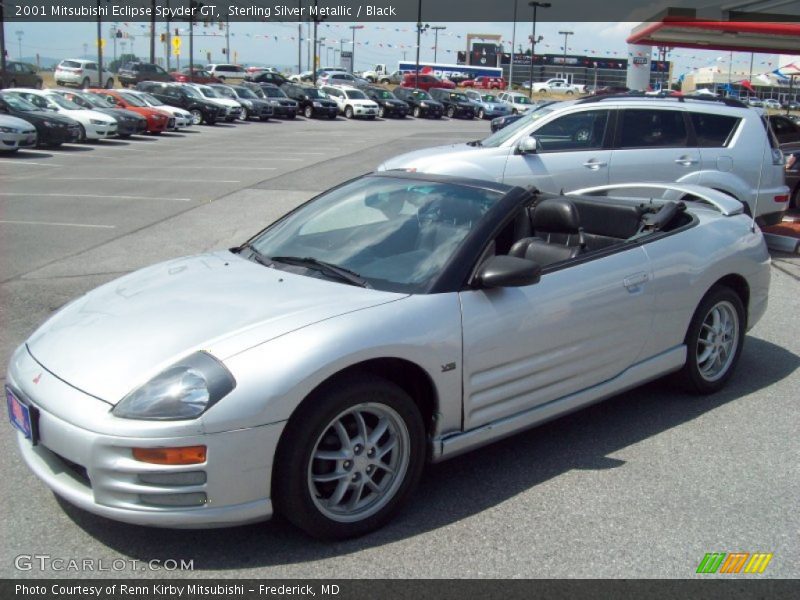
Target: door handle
column 633, row 282
column 686, row 161
column 594, row 164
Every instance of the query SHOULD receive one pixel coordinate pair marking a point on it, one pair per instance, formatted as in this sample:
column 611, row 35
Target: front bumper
column 100, row 132
column 96, row 471
column 284, row 111
column 59, row 135
column 13, row 141
column 364, row 111
column 325, row 111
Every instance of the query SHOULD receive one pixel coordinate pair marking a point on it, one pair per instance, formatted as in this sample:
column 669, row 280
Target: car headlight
column 9, row 130
column 47, row 123
column 247, row 103
column 274, row 103
column 423, row 104
column 316, row 104
column 183, row 391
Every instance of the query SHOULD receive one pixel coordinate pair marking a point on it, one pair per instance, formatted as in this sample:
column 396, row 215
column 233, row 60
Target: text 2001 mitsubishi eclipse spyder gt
column 396, row 318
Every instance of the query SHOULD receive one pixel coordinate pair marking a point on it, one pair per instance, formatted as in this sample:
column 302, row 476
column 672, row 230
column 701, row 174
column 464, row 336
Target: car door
column 573, row 152
column 577, row 327
column 655, row 142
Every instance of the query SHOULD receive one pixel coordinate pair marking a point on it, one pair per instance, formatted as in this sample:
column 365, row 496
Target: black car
column 388, row 104
column 253, row 107
column 128, row 122
column 499, row 122
column 52, row 129
column 456, row 104
column 311, row 102
column 791, row 104
column 282, row 106
column 132, row 73
column 785, row 129
column 792, row 155
column 420, row 102
column 18, row 74
column 266, row 77
column 185, row 97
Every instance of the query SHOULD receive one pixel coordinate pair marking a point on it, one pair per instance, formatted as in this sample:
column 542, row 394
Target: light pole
column 534, row 5
column 19, row 33
column 353, row 52
column 420, row 29
column 299, row 37
column 566, row 34
column 100, row 82
column 436, row 31
column 513, row 41
column 152, row 31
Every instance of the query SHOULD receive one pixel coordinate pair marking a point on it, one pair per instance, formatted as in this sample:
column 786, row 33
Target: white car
column 16, row 133
column 227, row 73
column 772, row 103
column 183, row 118
column 352, row 102
column 518, row 102
column 94, row 125
column 556, row 86
column 82, row 73
column 340, row 78
column 233, row 110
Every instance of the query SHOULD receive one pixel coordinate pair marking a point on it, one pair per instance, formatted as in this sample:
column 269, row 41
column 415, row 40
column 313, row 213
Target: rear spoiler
column 727, row 205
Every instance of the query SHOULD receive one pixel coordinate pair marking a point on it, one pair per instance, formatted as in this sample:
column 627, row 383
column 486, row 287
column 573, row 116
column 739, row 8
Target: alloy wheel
column 718, row 340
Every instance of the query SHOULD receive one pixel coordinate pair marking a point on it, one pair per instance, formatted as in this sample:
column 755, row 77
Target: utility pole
column 566, row 34
column 2, row 43
column 100, row 82
column 513, row 41
column 19, row 33
column 299, row 37
column 353, row 53
column 420, row 29
column 152, row 31
column 534, row 5
column 228, row 38
column 436, row 31
column 167, row 41
column 314, row 68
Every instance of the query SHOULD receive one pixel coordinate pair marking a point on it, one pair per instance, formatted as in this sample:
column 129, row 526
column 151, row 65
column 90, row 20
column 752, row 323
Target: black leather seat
column 557, row 230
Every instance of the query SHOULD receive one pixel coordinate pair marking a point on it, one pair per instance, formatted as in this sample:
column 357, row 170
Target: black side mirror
column 507, row 271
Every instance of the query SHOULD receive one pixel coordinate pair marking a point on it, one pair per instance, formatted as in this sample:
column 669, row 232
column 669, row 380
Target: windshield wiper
column 324, row 267
column 475, row 143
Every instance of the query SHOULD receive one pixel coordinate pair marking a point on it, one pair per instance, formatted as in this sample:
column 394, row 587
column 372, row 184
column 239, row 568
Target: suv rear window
column 72, row 64
column 713, row 131
column 648, row 128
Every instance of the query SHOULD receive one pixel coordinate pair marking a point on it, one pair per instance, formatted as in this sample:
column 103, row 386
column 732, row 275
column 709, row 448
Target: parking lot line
column 81, row 195
column 26, row 163
column 139, row 179
column 59, row 224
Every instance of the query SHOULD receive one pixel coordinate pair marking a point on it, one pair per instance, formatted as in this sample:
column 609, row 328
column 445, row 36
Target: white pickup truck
column 557, row 86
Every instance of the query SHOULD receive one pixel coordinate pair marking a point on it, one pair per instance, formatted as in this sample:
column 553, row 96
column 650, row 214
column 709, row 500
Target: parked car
column 185, row 97
column 435, row 315
column 394, row 78
column 351, row 101
column 786, row 130
column 556, row 86
column 456, row 104
column 311, row 102
column 187, row 75
column 486, row 83
column 772, row 104
column 52, row 128
column 425, row 82
column 754, row 101
column 232, row 108
column 253, row 107
column 227, row 73
column 609, row 89
column 388, row 104
column 570, row 144
column 19, row 74
column 183, row 118
column 420, row 102
column 82, row 73
column 489, row 105
column 128, row 122
column 792, row 171
column 283, row 107
column 516, row 101
column 94, row 125
column 304, row 77
column 791, row 104
column 340, row 78
column 131, row 73
column 267, row 77
column 158, row 121
column 16, row 133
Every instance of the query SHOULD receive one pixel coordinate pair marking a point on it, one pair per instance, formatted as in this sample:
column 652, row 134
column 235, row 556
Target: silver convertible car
column 395, row 319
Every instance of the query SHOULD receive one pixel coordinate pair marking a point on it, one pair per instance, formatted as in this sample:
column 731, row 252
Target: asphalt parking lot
column 642, row 485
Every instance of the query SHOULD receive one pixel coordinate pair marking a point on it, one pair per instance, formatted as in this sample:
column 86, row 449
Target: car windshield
column 133, row 99
column 150, row 100
column 314, row 93
column 488, row 97
column 92, row 99
column 246, row 93
column 355, row 95
column 192, row 92
column 210, row 93
column 506, row 133
column 384, row 95
column 458, row 97
column 420, row 95
column 397, row 234
column 18, row 103
column 63, row 102
column 227, row 93
column 197, row 72
column 273, row 92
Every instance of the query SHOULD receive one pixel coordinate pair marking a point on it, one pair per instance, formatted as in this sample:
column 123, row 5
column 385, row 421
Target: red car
column 198, row 76
column 486, row 83
column 157, row 120
column 426, row 82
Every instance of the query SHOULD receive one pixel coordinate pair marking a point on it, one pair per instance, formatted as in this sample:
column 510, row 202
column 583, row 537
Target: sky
column 275, row 44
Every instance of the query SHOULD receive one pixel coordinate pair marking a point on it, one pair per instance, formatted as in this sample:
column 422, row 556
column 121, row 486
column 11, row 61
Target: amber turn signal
column 187, row 455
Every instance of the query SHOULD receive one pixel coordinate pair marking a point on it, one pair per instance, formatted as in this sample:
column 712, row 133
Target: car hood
column 116, row 337
column 425, row 160
column 9, row 121
column 37, row 116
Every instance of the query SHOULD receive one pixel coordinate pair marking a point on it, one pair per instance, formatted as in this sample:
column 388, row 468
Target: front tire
column 349, row 458
column 245, row 115
column 381, row 112
column 481, row 114
column 348, row 112
column 417, row 112
column 109, row 84
column 451, row 112
column 713, row 342
column 197, row 116
column 308, row 112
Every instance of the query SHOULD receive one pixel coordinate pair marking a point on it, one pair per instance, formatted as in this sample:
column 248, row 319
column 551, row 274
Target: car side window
column 583, row 130
column 648, row 128
column 91, row 67
column 713, row 131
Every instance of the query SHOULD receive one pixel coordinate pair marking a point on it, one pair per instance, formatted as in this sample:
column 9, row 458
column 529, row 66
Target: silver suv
column 606, row 140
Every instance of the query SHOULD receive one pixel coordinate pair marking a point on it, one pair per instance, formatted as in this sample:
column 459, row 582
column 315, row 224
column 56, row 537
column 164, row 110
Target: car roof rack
column 662, row 96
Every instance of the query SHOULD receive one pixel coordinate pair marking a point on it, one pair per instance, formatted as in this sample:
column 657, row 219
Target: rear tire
column 197, row 116
column 350, row 457
column 713, row 342
column 109, row 84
